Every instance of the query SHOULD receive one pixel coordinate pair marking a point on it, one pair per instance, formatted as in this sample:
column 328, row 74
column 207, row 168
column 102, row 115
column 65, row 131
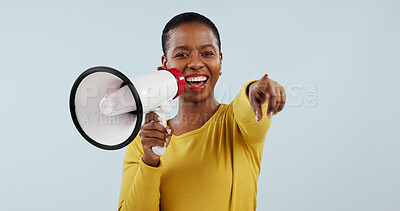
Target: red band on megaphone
column 180, row 79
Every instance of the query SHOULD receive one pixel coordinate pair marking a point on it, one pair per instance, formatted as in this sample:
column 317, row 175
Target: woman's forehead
column 192, row 35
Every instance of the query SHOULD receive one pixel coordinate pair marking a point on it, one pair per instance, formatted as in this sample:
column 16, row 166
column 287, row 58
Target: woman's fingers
column 283, row 99
column 257, row 107
column 263, row 82
column 168, row 132
column 152, row 134
column 154, row 126
column 272, row 98
column 255, row 102
column 259, row 113
column 151, row 142
column 257, row 96
column 152, row 116
column 266, row 90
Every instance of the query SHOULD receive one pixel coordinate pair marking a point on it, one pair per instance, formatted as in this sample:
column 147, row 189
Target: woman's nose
column 195, row 63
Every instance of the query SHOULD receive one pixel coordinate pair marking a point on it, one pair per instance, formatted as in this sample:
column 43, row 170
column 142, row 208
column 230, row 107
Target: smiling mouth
column 196, row 83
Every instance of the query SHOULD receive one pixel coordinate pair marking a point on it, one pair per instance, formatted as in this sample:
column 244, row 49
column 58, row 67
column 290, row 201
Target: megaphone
column 107, row 107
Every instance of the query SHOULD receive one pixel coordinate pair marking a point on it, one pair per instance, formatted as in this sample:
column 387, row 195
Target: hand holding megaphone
column 107, row 108
column 159, row 115
column 154, row 136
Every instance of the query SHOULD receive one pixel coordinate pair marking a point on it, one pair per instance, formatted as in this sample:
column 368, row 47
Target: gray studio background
column 334, row 147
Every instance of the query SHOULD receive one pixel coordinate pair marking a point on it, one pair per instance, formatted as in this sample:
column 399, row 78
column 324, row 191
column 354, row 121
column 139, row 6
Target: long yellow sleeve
column 215, row 167
column 140, row 188
column 254, row 132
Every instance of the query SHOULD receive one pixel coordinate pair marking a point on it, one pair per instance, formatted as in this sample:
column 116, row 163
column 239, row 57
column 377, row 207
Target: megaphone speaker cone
column 103, row 131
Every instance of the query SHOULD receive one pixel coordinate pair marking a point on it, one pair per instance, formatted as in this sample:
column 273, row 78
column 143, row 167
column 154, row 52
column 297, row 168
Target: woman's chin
column 195, row 97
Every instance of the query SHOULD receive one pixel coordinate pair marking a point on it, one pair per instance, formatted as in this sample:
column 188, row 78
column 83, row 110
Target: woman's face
column 193, row 50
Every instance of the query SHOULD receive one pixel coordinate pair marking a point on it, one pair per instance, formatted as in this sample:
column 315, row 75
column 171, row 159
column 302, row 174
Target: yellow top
column 215, row 167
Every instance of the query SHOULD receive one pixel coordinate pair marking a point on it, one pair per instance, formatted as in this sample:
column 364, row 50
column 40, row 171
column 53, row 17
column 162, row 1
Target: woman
column 213, row 150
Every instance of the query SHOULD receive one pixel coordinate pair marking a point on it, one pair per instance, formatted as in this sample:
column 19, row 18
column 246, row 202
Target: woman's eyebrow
column 181, row 48
column 207, row 46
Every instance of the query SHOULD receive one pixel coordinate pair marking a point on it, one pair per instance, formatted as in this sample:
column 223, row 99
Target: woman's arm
column 140, row 189
column 253, row 101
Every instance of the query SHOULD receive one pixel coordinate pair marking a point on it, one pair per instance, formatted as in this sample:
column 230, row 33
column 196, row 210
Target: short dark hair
column 187, row 17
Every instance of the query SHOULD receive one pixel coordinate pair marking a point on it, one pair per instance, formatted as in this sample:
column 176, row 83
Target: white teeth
column 196, row 79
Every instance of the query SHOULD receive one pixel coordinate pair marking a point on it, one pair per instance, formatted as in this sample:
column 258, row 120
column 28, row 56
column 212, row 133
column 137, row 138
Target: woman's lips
column 197, row 86
column 196, row 82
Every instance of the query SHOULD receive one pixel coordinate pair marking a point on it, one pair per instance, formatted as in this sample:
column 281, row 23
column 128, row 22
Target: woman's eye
column 181, row 55
column 208, row 53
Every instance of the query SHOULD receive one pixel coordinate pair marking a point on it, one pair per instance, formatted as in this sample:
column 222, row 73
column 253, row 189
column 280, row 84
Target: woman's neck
column 193, row 115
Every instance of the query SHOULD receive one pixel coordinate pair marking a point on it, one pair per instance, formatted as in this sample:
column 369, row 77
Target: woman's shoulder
column 224, row 112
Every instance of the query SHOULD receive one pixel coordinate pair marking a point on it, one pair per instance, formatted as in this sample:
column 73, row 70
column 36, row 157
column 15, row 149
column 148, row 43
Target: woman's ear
column 164, row 61
column 220, row 60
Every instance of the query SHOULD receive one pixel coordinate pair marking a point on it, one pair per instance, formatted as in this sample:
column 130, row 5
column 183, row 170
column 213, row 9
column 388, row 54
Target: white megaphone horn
column 107, row 108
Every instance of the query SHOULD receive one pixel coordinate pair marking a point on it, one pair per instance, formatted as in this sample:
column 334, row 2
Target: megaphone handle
column 157, row 149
